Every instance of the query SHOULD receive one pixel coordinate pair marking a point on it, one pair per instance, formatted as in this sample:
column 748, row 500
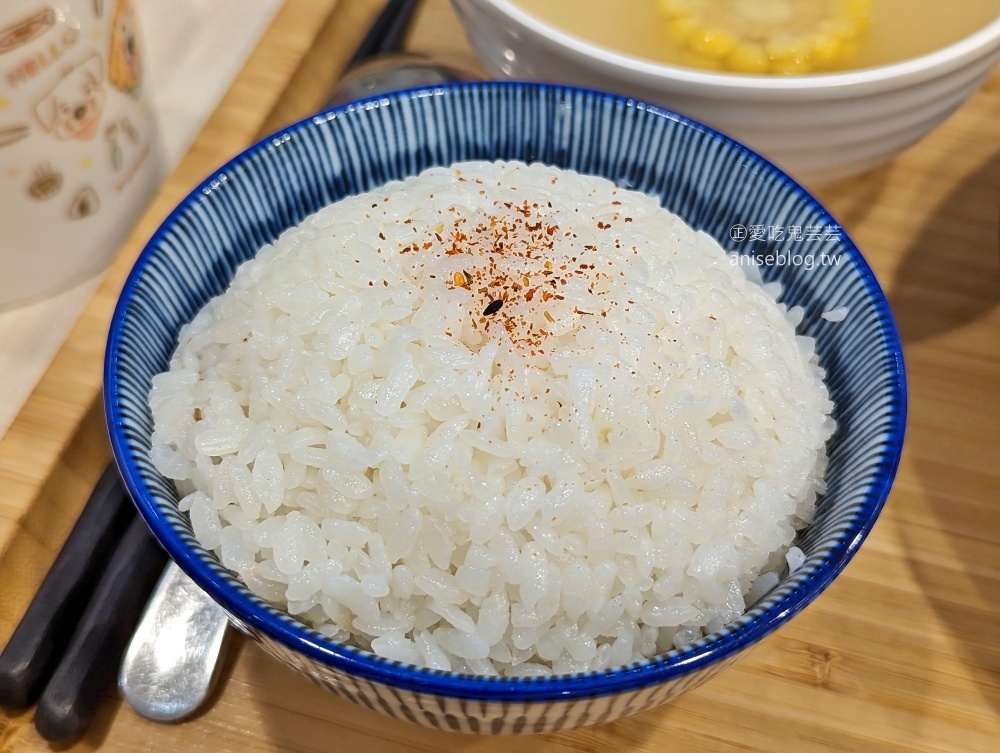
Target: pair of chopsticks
column 65, row 652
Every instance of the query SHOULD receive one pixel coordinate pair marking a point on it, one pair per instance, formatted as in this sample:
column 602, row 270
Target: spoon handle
column 167, row 686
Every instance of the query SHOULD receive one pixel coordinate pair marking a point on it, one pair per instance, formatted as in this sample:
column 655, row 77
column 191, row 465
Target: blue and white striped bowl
column 712, row 182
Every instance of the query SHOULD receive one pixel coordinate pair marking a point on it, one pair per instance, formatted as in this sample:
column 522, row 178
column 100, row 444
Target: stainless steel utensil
column 392, row 72
column 172, row 664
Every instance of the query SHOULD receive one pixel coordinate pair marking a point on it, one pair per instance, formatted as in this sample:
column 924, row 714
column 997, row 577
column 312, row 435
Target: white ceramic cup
column 79, row 153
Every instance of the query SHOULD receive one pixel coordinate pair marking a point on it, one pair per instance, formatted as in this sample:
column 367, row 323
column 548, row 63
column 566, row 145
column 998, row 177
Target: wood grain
column 902, row 653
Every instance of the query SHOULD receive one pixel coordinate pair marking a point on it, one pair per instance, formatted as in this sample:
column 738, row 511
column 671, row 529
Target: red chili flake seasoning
column 511, row 263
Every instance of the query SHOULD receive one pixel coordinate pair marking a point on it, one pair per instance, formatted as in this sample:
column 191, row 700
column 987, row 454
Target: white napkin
column 194, row 50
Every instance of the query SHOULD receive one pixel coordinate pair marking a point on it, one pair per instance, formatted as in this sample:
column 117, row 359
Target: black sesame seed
column 494, row 307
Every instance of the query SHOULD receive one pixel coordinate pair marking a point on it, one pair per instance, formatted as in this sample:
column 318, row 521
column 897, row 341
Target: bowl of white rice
column 505, row 408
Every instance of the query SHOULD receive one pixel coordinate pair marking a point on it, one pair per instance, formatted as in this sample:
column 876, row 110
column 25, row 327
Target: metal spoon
column 171, row 665
column 393, row 72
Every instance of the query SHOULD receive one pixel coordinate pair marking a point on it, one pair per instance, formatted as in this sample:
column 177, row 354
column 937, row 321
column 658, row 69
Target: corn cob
column 766, row 36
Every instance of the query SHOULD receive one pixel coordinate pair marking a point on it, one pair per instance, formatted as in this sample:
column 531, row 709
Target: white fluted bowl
column 818, row 128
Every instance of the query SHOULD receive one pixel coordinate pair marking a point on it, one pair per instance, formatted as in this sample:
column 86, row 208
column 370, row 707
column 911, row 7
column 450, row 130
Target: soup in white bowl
column 768, row 36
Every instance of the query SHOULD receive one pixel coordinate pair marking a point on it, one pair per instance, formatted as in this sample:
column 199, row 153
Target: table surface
column 902, row 652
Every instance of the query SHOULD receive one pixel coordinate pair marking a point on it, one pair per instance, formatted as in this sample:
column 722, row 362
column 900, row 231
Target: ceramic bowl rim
column 296, row 636
column 841, row 85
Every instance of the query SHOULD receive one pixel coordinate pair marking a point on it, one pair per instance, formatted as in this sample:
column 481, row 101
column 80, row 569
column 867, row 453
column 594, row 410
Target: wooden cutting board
column 902, row 653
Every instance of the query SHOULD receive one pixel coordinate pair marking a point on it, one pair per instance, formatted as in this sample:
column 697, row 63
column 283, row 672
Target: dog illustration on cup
column 72, row 108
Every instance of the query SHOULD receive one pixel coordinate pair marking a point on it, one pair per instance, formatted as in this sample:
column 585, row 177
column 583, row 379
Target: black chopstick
column 39, row 640
column 91, row 661
column 386, row 34
column 65, row 652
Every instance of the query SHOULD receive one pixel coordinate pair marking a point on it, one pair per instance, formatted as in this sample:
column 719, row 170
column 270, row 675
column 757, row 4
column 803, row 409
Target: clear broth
column 900, row 29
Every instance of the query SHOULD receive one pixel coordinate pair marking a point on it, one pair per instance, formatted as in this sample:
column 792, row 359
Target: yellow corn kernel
column 712, row 43
column 787, row 50
column 766, row 36
column 824, row 50
column 748, row 58
column 790, row 67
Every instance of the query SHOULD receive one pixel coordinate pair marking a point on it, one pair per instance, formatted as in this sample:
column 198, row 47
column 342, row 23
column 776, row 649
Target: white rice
column 836, row 315
column 597, row 472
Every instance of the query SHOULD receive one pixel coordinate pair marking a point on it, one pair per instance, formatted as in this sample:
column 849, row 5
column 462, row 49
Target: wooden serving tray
column 902, row 653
